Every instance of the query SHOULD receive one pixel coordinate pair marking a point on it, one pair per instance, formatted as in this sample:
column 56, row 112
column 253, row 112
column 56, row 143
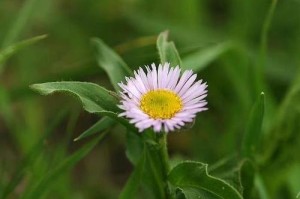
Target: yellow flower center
column 161, row 104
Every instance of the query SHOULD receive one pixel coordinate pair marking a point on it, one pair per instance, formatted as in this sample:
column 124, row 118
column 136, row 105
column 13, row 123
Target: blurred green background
column 244, row 50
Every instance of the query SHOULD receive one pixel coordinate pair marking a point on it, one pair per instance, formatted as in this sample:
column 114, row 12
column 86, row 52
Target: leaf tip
column 34, row 86
column 95, row 40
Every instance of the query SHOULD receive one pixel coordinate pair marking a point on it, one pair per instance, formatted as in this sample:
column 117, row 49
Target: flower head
column 162, row 98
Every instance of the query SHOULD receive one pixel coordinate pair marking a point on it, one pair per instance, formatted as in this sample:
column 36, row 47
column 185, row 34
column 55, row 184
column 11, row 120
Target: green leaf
column 134, row 182
column 111, row 62
column 240, row 175
column 192, row 193
column 50, row 177
column 21, row 21
column 148, row 175
column 99, row 126
column 95, row 99
column 195, row 175
column 278, row 146
column 14, row 48
column 247, row 175
column 135, row 143
column 201, row 59
column 134, row 146
column 167, row 50
column 121, row 120
column 228, row 169
column 253, row 132
column 153, row 176
column 32, row 156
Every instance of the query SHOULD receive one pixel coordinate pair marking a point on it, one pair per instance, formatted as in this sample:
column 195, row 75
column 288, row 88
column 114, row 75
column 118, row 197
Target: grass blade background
column 35, row 151
column 13, row 49
column 43, row 185
column 197, row 61
column 130, row 190
column 20, row 22
column 253, row 134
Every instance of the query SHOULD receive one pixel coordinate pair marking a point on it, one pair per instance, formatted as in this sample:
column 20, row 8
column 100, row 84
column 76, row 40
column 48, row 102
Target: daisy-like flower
column 162, row 98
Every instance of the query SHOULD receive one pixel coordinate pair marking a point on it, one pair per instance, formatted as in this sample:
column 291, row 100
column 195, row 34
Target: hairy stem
column 163, row 150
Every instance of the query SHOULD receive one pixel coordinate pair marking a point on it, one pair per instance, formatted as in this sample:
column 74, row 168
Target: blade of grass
column 50, row 178
column 253, row 132
column 199, row 60
column 265, row 31
column 259, row 81
column 31, row 156
column 14, row 48
column 20, row 23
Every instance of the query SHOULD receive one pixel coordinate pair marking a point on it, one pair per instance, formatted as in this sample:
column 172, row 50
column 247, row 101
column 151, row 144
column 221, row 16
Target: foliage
column 245, row 146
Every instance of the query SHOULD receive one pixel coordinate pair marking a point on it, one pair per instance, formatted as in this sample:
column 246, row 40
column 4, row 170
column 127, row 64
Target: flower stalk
column 163, row 150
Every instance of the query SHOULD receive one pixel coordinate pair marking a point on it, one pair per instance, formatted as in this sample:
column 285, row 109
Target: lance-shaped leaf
column 98, row 127
column 247, row 173
column 253, row 131
column 111, row 62
column 95, row 99
column 194, row 175
column 133, row 184
column 148, row 175
column 167, row 50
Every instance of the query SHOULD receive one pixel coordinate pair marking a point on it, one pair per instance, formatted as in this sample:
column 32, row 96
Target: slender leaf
column 253, row 132
column 32, row 156
column 134, row 182
column 167, row 50
column 99, row 126
column 14, row 48
column 135, row 147
column 20, row 23
column 50, row 178
column 247, row 175
column 287, row 121
column 201, row 59
column 153, row 176
column 95, row 99
column 135, row 143
column 195, row 175
column 111, row 62
column 148, row 175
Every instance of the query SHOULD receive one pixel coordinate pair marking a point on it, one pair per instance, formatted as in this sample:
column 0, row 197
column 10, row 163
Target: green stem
column 265, row 30
column 263, row 44
column 163, row 150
